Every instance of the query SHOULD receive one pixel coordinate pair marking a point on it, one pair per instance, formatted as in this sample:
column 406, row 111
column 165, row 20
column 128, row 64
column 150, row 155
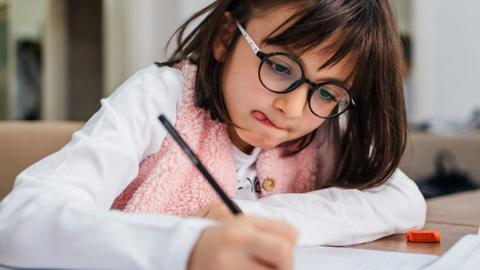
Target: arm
column 58, row 215
column 335, row 216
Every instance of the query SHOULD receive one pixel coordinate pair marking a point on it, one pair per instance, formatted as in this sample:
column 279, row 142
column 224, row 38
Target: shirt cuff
column 187, row 235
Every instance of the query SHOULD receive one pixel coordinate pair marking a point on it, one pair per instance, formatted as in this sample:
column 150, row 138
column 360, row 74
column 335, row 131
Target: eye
column 326, row 95
column 280, row 68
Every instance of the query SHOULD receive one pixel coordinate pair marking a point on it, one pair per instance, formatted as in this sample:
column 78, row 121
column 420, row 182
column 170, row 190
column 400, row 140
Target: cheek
column 241, row 85
column 243, row 92
column 309, row 124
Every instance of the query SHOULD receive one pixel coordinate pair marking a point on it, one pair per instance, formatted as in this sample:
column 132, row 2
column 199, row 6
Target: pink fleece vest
column 168, row 182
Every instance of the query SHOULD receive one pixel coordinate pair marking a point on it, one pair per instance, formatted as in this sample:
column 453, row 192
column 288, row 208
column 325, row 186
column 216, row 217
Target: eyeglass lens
column 280, row 73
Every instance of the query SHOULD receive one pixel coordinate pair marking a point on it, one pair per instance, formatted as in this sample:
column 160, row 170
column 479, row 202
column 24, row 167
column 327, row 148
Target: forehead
column 270, row 23
column 265, row 22
column 342, row 71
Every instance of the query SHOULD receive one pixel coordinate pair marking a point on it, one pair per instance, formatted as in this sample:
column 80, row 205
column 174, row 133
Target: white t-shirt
column 58, row 214
column 248, row 186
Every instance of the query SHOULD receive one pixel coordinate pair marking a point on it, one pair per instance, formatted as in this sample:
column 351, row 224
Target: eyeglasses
column 282, row 73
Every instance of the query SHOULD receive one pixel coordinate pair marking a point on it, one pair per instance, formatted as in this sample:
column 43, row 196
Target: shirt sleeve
column 335, row 216
column 58, row 214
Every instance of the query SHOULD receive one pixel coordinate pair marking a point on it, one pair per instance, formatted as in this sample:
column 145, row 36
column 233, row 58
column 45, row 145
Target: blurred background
column 58, row 58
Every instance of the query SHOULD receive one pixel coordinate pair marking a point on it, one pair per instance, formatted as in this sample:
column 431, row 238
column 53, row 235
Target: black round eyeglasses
column 282, row 73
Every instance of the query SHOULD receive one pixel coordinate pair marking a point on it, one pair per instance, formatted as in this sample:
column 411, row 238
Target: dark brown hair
column 363, row 147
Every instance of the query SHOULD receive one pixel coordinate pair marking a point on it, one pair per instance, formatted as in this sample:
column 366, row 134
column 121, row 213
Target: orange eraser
column 423, row 236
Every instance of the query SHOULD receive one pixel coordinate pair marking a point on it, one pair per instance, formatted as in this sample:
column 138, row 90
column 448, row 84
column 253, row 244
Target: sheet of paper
column 314, row 258
column 464, row 255
column 3, row 267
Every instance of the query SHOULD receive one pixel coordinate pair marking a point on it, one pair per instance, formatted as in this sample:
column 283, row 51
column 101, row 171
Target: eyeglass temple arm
column 353, row 102
column 247, row 37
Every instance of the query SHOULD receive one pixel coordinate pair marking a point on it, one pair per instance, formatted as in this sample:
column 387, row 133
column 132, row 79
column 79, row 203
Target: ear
column 224, row 37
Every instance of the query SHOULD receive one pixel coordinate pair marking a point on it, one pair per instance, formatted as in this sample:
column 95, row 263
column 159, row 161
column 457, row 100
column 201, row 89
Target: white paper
column 464, row 255
column 326, row 258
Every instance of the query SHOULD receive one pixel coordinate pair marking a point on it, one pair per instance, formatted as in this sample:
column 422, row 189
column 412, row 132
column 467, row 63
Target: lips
column 264, row 119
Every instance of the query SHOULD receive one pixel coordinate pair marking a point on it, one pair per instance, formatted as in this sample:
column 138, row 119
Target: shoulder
column 155, row 78
column 152, row 84
column 160, row 74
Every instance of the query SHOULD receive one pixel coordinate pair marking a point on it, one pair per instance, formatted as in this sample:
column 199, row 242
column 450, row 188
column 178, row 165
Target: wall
column 55, row 77
column 84, row 28
column 446, row 43
column 136, row 33
column 25, row 21
column 403, row 12
column 446, row 59
column 4, row 105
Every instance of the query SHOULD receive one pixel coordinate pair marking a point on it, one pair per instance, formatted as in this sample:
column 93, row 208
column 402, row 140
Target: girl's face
column 267, row 119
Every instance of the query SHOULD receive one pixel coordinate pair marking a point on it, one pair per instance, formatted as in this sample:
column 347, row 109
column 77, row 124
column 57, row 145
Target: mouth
column 262, row 118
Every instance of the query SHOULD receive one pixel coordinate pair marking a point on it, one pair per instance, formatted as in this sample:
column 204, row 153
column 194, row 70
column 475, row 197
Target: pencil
column 230, row 204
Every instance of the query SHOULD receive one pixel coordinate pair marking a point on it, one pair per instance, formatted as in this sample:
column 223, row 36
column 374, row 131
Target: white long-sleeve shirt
column 58, row 214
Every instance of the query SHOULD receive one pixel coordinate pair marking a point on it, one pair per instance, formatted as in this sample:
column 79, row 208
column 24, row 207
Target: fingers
column 268, row 250
column 201, row 213
column 216, row 210
column 270, row 241
column 272, row 250
column 245, row 243
column 242, row 261
column 276, row 227
column 219, row 211
column 257, row 265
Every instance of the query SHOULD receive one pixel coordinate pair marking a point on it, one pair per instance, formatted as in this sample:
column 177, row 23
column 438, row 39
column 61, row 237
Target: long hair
column 363, row 147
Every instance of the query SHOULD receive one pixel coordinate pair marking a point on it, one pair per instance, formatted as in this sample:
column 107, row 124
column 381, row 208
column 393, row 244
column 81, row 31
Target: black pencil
column 230, row 204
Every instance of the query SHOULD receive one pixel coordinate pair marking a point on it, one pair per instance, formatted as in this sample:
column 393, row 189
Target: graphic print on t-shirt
column 249, row 184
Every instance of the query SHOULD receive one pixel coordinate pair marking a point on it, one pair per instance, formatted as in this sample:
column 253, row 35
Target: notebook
column 464, row 255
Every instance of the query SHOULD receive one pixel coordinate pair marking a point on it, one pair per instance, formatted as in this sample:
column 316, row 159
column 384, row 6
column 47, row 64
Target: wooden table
column 454, row 216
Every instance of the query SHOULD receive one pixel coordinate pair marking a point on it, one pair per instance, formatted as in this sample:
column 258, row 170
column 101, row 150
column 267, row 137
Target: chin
column 260, row 141
column 264, row 144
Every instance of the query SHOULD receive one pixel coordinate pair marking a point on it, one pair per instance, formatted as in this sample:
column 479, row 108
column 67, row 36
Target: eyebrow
column 299, row 59
column 335, row 80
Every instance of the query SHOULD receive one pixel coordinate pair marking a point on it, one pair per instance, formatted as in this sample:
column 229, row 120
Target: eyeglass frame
column 313, row 86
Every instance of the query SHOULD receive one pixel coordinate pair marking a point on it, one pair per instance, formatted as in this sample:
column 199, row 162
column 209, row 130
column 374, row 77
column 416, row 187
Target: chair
column 24, row 143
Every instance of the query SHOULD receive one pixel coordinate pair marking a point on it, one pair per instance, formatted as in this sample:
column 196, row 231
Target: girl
column 296, row 107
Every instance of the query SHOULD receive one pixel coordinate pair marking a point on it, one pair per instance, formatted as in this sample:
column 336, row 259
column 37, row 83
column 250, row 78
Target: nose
column 293, row 104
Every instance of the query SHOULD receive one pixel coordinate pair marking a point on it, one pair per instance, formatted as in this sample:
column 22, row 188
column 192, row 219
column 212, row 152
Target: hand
column 245, row 242
column 216, row 210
